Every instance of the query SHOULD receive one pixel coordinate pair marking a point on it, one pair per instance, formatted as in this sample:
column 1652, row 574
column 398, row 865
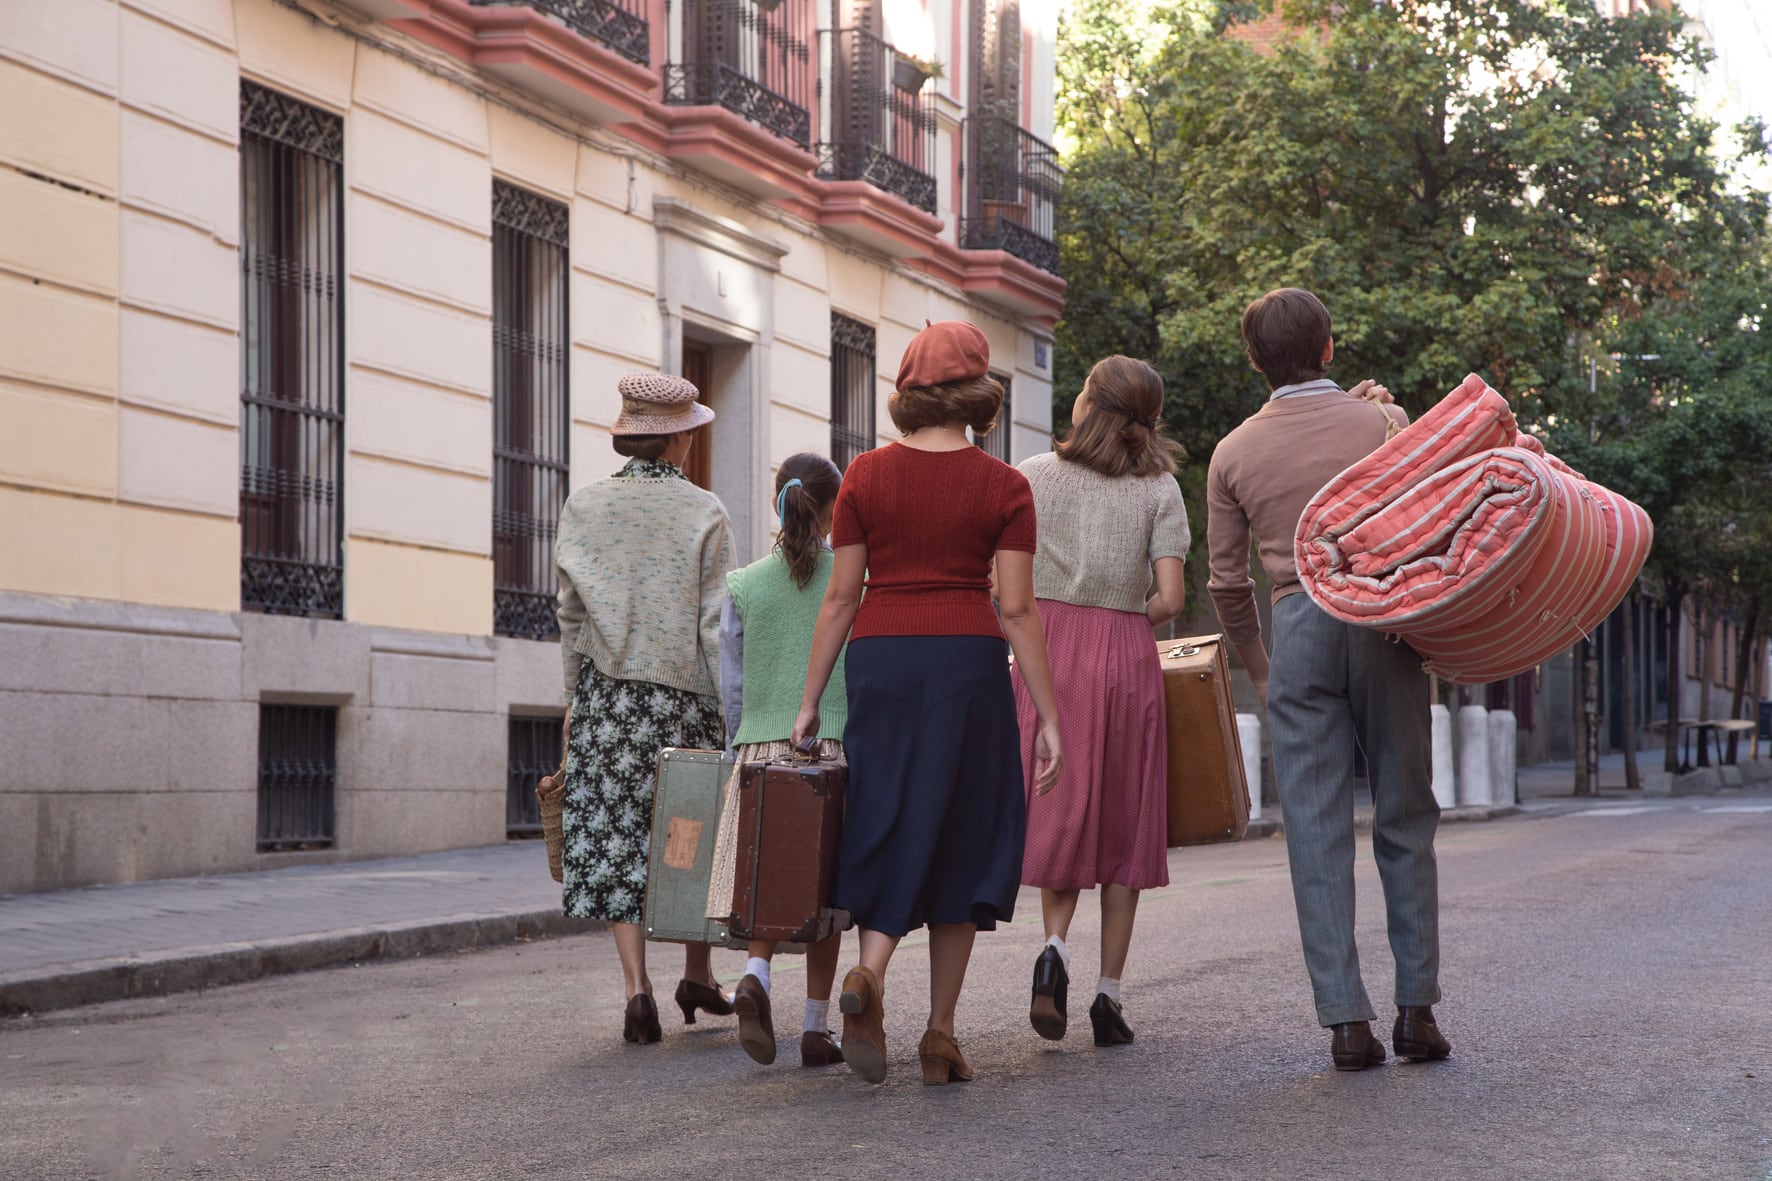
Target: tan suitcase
column 1208, row 791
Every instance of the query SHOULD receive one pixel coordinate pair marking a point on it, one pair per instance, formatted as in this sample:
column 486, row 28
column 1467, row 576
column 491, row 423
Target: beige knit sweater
column 643, row 558
column 1100, row 535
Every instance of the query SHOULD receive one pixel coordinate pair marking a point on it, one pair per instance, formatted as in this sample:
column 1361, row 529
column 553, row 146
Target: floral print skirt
column 618, row 728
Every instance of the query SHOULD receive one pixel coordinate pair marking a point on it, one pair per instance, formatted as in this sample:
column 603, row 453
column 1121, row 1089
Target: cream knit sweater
column 1100, row 535
column 643, row 558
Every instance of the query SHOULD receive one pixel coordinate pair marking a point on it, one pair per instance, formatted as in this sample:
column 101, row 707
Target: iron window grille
column 996, row 440
column 881, row 134
column 533, row 752
column 530, row 407
column 852, row 389
column 1012, row 192
column 291, row 356
column 614, row 24
column 297, row 776
column 755, row 61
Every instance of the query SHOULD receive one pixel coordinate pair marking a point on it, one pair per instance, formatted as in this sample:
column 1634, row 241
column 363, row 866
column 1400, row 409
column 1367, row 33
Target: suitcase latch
column 1180, row 650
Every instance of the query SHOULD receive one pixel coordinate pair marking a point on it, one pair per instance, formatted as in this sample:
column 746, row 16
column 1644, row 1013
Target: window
column 996, row 440
column 533, row 751
column 852, row 389
column 291, row 356
column 530, row 409
column 881, row 127
column 297, row 776
column 754, row 59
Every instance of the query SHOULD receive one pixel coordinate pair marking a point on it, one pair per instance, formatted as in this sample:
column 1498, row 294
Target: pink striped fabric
column 1463, row 537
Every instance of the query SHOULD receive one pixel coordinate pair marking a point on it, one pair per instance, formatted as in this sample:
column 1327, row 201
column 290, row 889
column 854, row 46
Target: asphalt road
column 1608, row 981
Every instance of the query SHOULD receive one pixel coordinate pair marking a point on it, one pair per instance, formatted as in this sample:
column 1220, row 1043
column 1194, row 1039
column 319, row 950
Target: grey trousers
column 1333, row 684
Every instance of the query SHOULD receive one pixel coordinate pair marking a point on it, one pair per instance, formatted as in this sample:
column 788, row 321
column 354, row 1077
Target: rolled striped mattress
column 1463, row 537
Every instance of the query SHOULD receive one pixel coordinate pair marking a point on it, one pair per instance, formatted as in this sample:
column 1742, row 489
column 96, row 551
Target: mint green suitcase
column 680, row 856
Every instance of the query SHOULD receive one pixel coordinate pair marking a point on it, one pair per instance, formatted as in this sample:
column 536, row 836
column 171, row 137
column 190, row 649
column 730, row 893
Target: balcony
column 752, row 60
column 1013, row 181
column 880, row 133
column 613, row 24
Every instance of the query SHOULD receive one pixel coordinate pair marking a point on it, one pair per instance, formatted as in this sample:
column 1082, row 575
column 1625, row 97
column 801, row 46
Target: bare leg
column 1119, row 905
column 950, row 948
column 876, row 953
column 821, row 966
column 698, row 966
column 630, row 945
column 761, row 949
column 1058, row 908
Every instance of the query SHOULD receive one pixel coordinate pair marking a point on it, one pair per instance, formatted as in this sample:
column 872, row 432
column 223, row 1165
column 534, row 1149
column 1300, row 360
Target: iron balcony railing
column 1012, row 182
column 879, row 132
column 614, row 24
column 752, row 59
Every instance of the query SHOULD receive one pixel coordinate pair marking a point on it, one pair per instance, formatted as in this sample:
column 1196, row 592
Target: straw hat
column 658, row 404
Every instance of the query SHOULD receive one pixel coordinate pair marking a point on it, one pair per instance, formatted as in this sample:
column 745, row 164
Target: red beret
column 945, row 351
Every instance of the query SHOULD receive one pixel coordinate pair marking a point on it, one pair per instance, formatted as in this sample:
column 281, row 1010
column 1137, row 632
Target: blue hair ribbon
column 781, row 500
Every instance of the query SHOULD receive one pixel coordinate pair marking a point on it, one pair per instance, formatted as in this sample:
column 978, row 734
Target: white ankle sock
column 1064, row 953
column 1109, row 987
column 760, row 969
column 818, row 1016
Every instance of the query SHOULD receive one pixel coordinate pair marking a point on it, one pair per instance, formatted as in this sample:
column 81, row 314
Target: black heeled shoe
column 692, row 996
column 1109, row 1022
column 1046, row 1012
column 641, row 1023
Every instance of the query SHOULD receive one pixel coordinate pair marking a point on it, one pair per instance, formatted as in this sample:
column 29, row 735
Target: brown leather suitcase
column 789, row 816
column 1208, row 791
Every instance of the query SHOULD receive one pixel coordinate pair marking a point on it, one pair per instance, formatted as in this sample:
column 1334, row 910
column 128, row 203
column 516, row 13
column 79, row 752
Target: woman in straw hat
column 934, row 815
column 643, row 557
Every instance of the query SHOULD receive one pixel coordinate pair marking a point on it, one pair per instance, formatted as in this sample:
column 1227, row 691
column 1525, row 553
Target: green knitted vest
column 778, row 620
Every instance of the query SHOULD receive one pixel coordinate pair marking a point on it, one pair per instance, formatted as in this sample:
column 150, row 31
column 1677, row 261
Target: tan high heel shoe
column 864, row 1025
column 942, row 1060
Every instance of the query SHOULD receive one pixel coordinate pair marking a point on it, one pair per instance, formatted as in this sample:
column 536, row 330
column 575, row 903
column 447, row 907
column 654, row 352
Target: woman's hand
column 806, row 725
column 1048, row 759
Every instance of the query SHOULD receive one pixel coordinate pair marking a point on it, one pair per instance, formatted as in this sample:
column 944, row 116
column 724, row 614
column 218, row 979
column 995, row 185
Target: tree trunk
column 1743, row 666
column 1702, row 625
column 1633, row 776
column 1584, row 782
column 1590, row 714
column 1676, row 595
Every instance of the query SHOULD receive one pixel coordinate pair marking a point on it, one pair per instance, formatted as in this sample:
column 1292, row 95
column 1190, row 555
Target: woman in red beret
column 934, row 815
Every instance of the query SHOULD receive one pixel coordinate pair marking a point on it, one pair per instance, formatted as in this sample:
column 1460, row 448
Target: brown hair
column 802, row 507
column 974, row 402
column 641, row 446
column 1284, row 335
column 1122, row 435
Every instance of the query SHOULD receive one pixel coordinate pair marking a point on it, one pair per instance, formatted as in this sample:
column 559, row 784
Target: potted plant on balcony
column 910, row 72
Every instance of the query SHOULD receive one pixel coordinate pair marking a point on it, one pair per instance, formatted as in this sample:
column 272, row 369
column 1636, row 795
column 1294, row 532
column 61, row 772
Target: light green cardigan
column 643, row 558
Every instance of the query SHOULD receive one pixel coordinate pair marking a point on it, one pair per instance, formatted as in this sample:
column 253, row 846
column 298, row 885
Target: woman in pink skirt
column 1113, row 534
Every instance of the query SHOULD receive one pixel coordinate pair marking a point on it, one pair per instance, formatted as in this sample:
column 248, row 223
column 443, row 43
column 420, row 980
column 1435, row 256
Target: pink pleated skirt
column 1106, row 822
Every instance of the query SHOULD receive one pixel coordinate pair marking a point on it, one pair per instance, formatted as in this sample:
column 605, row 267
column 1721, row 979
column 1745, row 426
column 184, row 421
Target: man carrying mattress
column 1331, row 684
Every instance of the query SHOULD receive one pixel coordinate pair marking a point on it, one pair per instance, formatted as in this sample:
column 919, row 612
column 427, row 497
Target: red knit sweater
column 931, row 521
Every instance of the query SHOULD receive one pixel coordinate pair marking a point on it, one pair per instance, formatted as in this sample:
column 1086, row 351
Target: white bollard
column 1502, row 730
column 1473, row 755
column 1445, row 779
column 1249, row 737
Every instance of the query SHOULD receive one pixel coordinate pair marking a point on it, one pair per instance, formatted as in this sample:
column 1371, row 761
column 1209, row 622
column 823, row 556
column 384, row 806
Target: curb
column 193, row 968
column 1273, row 826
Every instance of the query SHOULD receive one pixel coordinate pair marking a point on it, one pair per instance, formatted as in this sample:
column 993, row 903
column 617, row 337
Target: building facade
column 312, row 312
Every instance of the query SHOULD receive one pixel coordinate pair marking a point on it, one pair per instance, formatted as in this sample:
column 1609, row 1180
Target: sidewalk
column 78, row 947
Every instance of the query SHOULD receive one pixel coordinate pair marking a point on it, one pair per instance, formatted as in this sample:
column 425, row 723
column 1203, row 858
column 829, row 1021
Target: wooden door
column 698, row 370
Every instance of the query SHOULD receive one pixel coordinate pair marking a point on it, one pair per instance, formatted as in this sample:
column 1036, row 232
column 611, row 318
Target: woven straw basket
column 551, row 791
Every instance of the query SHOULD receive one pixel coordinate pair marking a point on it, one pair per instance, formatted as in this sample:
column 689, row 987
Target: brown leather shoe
column 864, row 1025
column 756, row 1028
column 1416, row 1038
column 1353, row 1047
column 819, row 1048
column 692, row 996
column 640, row 1022
column 942, row 1060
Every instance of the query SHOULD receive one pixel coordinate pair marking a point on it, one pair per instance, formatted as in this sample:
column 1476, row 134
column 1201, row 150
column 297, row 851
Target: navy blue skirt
column 935, row 813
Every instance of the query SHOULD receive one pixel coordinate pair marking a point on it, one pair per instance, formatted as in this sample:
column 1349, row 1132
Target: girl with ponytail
column 765, row 640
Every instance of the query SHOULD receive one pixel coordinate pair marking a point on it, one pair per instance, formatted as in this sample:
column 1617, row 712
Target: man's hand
column 1370, row 391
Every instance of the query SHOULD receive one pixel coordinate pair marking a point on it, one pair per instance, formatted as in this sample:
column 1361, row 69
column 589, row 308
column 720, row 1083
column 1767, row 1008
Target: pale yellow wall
column 405, row 586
